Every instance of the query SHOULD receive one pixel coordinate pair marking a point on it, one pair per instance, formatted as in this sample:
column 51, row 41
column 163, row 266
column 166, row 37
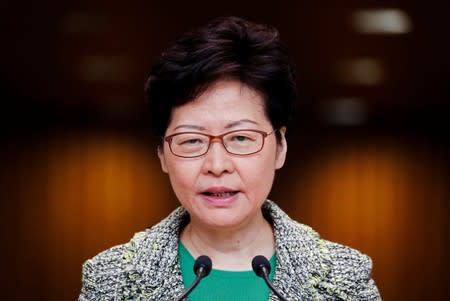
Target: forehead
column 223, row 103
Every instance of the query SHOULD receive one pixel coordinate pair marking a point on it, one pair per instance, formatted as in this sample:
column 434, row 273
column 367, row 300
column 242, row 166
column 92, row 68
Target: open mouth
column 223, row 194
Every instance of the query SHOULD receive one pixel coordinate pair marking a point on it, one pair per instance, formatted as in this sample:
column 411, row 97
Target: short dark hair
column 226, row 48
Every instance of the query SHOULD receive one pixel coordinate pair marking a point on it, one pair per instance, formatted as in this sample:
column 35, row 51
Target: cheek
column 258, row 176
column 182, row 176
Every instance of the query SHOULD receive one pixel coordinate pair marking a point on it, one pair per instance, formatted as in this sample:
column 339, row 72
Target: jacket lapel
column 157, row 261
column 302, row 259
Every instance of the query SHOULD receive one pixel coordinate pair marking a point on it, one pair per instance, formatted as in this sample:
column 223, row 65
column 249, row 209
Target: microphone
column 261, row 267
column 202, row 268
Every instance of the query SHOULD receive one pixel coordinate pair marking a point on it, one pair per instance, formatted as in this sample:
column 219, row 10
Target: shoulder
column 326, row 270
column 103, row 273
column 116, row 272
column 347, row 260
column 349, row 274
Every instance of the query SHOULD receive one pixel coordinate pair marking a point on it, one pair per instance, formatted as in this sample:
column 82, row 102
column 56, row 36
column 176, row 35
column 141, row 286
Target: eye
column 191, row 141
column 241, row 138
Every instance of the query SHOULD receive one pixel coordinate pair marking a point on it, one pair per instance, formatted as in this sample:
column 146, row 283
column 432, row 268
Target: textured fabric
column 224, row 285
column 308, row 267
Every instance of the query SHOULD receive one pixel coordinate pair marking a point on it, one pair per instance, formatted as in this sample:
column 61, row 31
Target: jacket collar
column 302, row 258
column 156, row 257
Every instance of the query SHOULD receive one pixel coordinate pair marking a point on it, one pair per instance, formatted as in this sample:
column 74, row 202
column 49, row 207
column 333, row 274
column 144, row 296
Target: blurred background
column 367, row 166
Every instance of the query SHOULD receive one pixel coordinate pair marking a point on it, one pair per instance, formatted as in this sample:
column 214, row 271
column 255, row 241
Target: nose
column 217, row 160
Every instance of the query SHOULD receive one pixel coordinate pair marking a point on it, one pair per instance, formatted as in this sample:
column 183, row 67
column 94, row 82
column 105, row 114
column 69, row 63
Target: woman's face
column 220, row 189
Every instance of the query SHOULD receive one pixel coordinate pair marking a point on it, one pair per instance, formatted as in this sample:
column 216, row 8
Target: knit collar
column 302, row 258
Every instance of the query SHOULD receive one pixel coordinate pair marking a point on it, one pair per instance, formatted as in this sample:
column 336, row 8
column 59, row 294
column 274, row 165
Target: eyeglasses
column 238, row 142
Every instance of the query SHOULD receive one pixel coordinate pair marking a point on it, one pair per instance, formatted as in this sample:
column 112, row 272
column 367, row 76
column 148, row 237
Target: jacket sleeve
column 350, row 275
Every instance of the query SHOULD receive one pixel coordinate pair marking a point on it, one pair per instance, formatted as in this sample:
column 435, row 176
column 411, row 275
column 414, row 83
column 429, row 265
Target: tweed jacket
column 308, row 267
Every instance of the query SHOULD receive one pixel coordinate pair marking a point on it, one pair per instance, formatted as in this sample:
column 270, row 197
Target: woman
column 221, row 97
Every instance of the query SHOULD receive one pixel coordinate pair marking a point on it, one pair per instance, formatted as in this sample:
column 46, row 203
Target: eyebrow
column 190, row 127
column 240, row 122
column 228, row 126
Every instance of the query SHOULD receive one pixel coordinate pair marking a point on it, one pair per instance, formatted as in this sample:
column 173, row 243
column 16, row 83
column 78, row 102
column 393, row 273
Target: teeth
column 222, row 194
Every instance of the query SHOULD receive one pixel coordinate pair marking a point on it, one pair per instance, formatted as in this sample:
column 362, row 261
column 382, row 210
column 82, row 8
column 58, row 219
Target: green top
column 224, row 285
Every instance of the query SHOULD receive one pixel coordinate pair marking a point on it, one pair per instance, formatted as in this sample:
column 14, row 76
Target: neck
column 230, row 248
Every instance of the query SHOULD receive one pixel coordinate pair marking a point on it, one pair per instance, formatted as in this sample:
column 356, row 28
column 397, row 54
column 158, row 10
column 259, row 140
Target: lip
column 219, row 200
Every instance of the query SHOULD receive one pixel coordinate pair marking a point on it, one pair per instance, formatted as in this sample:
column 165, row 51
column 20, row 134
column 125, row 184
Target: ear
column 162, row 159
column 281, row 149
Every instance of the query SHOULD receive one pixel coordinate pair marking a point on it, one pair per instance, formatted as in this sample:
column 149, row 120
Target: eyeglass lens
column 236, row 142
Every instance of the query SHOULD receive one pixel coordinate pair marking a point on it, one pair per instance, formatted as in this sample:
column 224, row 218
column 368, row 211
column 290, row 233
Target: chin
column 223, row 221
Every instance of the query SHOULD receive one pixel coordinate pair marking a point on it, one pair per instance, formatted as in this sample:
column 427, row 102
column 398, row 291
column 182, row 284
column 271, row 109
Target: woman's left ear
column 281, row 149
